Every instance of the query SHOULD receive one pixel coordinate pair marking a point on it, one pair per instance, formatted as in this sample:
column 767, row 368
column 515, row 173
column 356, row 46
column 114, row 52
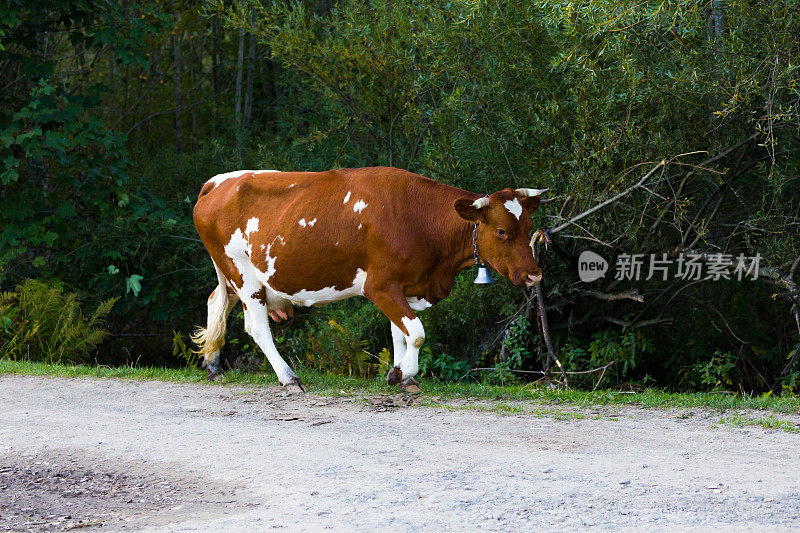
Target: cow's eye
column 501, row 233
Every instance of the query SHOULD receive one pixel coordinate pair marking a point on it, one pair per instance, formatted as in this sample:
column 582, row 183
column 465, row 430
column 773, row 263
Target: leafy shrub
column 337, row 349
column 516, row 342
column 626, row 349
column 442, row 366
column 181, row 351
column 717, row 373
column 41, row 323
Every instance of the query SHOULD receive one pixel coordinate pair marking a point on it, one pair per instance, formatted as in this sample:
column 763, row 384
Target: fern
column 43, row 324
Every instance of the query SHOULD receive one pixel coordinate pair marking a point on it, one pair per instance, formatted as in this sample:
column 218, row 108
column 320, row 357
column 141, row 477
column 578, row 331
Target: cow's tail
column 211, row 338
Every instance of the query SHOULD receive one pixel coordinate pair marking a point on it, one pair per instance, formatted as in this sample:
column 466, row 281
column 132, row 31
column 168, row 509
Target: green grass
column 435, row 393
column 769, row 422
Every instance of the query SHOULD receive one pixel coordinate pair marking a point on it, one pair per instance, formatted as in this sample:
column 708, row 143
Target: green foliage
column 336, row 349
column 41, row 323
column 624, row 349
column 516, row 342
column 718, row 373
column 441, row 366
column 623, row 352
column 181, row 351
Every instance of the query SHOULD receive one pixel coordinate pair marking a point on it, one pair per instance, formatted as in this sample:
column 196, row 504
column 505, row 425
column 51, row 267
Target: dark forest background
column 114, row 113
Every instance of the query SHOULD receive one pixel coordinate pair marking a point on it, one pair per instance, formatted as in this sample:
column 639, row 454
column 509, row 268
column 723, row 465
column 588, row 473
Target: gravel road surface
column 126, row 455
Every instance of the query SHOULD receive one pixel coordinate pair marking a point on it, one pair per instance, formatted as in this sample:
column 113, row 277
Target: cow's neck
column 458, row 251
column 462, row 250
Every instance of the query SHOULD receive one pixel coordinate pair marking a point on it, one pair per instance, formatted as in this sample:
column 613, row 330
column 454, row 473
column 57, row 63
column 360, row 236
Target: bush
column 41, row 323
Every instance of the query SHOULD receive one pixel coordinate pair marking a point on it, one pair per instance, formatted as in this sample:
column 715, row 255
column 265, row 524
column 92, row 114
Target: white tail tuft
column 211, row 338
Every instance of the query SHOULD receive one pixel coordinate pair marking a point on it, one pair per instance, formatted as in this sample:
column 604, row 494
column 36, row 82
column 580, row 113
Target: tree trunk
column 176, row 94
column 248, row 99
column 197, row 65
column 214, row 74
column 715, row 29
column 238, row 105
column 214, row 58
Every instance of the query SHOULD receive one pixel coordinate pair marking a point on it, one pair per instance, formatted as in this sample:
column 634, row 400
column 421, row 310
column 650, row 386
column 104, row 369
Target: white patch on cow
column 283, row 241
column 514, row 207
column 418, row 304
column 359, row 226
column 416, row 333
column 219, row 178
column 238, row 249
column 262, row 246
column 328, row 294
column 292, row 185
column 346, row 197
column 302, row 222
column 312, row 222
column 252, row 226
column 359, row 206
column 337, row 243
column 262, row 276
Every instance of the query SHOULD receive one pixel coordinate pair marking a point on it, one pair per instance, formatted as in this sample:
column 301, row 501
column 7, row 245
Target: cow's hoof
column 410, row 386
column 394, row 376
column 295, row 386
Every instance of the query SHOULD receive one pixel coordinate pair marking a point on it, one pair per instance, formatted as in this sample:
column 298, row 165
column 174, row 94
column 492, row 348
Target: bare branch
column 611, row 200
column 636, row 325
column 610, row 297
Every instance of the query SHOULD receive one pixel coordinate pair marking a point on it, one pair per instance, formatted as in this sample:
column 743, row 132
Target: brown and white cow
column 279, row 239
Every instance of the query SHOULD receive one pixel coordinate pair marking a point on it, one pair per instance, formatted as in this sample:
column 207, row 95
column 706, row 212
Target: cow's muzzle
column 533, row 279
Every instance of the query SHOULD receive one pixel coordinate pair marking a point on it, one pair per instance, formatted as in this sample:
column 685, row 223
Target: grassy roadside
column 434, row 392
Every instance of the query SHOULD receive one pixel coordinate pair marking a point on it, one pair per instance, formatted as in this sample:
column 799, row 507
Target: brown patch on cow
column 260, row 295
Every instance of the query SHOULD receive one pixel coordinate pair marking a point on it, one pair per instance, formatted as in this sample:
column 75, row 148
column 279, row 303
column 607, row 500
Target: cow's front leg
column 408, row 335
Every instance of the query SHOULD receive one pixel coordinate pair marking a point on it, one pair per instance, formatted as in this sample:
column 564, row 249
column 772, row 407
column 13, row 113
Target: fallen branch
column 610, row 297
column 541, row 372
column 636, row 325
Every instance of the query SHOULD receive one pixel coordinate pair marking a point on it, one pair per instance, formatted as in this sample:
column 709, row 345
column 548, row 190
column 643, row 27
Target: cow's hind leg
column 211, row 338
column 256, row 323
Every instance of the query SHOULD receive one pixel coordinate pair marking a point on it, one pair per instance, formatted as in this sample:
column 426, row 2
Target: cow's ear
column 531, row 203
column 467, row 210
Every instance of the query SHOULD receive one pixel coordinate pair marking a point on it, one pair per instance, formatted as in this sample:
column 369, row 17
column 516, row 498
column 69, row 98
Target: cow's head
column 504, row 223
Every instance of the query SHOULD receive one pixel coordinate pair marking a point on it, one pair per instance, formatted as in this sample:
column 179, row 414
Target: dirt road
column 169, row 457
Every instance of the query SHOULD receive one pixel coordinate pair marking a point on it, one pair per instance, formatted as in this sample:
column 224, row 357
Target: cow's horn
column 480, row 202
column 531, row 192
